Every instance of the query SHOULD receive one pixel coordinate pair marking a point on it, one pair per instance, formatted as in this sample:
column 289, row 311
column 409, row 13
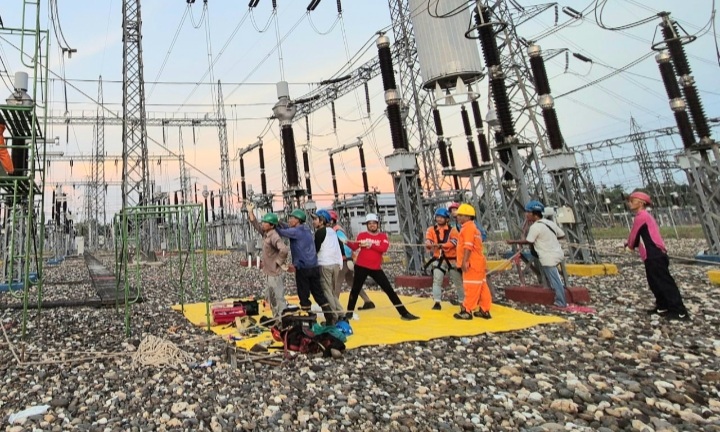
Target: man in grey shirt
column 274, row 254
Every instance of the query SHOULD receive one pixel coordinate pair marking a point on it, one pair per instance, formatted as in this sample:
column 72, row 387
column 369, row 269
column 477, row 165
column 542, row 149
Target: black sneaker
column 656, row 311
column 367, row 305
column 676, row 316
column 437, row 306
column 482, row 314
column 454, row 302
column 409, row 317
column 463, row 315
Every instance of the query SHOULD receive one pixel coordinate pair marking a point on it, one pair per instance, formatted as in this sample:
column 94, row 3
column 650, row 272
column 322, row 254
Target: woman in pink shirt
column 645, row 236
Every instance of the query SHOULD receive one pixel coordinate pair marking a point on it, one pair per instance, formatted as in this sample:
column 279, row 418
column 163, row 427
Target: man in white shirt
column 330, row 259
column 543, row 237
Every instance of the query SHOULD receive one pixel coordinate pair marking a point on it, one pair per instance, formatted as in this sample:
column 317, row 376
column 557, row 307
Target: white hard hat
column 371, row 217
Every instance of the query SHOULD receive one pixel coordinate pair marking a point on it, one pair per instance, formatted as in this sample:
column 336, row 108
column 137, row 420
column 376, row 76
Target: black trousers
column 663, row 286
column 361, row 274
column 308, row 282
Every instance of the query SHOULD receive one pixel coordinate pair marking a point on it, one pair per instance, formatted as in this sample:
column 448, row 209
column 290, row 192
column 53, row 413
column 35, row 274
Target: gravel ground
column 615, row 370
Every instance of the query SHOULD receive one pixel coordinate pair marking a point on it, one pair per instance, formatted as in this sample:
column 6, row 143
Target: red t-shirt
column 370, row 257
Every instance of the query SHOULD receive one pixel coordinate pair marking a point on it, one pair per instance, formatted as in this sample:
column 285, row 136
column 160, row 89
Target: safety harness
column 442, row 258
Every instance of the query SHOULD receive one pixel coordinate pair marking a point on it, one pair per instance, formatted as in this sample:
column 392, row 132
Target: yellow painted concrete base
column 714, row 276
column 498, row 265
column 589, row 270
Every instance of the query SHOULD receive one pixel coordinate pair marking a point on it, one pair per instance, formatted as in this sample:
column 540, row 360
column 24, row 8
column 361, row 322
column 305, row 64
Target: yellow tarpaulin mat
column 383, row 326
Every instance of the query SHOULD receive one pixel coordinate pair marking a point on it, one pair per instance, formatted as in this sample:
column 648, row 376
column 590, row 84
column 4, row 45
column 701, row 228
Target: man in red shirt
column 372, row 245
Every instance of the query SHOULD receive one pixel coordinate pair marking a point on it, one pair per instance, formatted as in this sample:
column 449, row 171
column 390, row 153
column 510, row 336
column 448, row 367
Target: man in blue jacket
column 305, row 261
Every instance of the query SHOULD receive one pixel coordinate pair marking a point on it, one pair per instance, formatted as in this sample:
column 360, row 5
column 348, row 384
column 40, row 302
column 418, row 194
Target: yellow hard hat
column 466, row 210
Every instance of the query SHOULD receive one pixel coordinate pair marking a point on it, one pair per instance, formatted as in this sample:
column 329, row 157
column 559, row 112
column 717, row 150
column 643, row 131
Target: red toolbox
column 225, row 313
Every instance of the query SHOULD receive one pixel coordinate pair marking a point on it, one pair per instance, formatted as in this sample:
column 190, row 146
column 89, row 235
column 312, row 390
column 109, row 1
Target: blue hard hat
column 323, row 214
column 534, row 206
column 344, row 327
column 443, row 212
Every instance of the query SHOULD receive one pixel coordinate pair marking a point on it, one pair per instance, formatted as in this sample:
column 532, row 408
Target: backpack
column 298, row 337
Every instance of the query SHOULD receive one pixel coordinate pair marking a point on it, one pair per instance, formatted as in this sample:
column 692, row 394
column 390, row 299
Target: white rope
column 157, row 352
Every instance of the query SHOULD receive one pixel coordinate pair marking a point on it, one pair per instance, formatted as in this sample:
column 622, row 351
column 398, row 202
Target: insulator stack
column 392, row 99
column 396, row 128
column 334, row 179
column 237, row 187
column 537, row 64
column 363, row 168
column 682, row 68
column 367, row 97
column 334, row 116
column 196, row 199
column 553, row 129
column 386, row 63
column 491, row 54
column 288, row 139
column 451, row 159
column 306, row 167
column 497, row 77
column 542, row 86
column 222, row 208
column 468, row 134
column 442, row 147
column 482, row 139
column 263, row 181
column 58, row 207
column 339, row 7
column 212, row 204
column 52, row 207
column 175, row 198
column 307, row 129
column 242, row 178
column 677, row 103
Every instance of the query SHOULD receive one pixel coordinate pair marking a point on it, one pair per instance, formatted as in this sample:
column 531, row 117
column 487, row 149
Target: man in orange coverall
column 5, row 159
column 472, row 262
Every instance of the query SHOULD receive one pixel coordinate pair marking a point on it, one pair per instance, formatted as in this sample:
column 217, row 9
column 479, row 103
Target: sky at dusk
column 180, row 43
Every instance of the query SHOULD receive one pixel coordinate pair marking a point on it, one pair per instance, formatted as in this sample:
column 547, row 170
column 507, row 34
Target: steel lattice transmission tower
column 225, row 182
column 647, row 167
column 135, row 174
column 99, row 169
column 417, row 103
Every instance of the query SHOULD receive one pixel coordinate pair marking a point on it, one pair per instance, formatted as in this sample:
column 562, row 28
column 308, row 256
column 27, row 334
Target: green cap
column 299, row 214
column 270, row 218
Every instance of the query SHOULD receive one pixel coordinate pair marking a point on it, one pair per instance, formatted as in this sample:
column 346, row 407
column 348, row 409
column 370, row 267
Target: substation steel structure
column 519, row 87
column 701, row 157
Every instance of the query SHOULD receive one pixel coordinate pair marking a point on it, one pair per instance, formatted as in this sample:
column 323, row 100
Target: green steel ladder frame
column 195, row 244
column 38, row 62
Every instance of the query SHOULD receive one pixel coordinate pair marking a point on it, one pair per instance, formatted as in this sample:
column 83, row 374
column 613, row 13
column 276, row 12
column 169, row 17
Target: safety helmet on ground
column 442, row 213
column 299, row 215
column 534, row 206
column 270, row 218
column 371, row 217
column 642, row 196
column 333, row 215
column 454, row 205
column 324, row 215
column 466, row 210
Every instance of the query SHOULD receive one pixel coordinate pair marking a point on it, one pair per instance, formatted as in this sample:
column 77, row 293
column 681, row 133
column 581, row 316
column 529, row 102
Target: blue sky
column 94, row 29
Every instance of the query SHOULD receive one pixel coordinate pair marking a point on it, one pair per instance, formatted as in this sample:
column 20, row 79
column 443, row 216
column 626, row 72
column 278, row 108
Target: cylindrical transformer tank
column 443, row 50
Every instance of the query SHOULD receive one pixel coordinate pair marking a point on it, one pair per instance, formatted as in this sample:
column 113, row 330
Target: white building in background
column 387, row 212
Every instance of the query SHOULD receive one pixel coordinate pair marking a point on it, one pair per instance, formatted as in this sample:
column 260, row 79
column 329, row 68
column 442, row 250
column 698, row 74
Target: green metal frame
column 188, row 232
column 27, row 191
